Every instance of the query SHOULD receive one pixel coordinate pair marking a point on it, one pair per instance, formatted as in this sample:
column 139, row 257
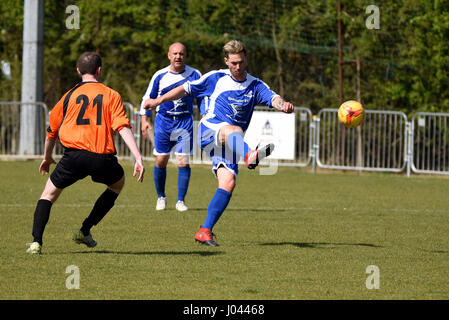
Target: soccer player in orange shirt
column 84, row 120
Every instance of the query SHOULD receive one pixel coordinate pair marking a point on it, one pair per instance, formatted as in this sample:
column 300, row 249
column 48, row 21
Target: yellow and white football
column 351, row 114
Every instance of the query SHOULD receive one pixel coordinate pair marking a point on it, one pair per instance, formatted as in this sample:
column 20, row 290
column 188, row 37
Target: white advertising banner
column 273, row 127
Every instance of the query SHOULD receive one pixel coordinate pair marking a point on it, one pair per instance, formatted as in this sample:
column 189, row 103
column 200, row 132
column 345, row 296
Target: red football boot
column 253, row 157
column 205, row 236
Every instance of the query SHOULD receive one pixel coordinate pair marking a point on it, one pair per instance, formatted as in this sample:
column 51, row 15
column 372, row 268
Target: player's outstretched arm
column 128, row 137
column 174, row 94
column 279, row 104
column 145, row 126
column 44, row 168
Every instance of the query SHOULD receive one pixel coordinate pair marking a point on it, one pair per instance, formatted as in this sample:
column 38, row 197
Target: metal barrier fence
column 430, row 147
column 10, row 113
column 304, row 137
column 120, row 146
column 386, row 141
column 378, row 145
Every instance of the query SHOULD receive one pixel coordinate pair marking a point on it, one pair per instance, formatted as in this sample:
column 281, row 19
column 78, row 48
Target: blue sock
column 236, row 143
column 183, row 182
column 160, row 175
column 216, row 207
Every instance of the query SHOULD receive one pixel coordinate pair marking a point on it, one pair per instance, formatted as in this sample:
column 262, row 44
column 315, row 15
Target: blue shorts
column 220, row 155
column 172, row 132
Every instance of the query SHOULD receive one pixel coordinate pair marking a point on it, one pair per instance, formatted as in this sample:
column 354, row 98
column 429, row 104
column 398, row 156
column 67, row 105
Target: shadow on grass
column 241, row 209
column 168, row 253
column 435, row 251
column 261, row 209
column 318, row 244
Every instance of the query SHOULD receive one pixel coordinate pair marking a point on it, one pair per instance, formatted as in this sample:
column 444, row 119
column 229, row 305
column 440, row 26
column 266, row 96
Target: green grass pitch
column 293, row 235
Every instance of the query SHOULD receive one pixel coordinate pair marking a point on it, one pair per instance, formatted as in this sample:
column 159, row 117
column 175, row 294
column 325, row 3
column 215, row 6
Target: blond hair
column 234, row 47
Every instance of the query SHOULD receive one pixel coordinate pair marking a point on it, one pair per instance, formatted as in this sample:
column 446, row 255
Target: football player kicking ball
column 233, row 93
column 84, row 120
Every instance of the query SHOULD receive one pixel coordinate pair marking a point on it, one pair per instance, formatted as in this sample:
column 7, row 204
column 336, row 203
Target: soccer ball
column 351, row 114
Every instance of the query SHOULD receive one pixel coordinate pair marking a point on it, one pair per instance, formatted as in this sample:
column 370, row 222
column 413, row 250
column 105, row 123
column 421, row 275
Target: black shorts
column 77, row 164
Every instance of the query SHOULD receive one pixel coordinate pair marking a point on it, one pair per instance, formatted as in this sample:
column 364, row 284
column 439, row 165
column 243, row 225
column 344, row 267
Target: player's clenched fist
column 150, row 104
column 288, row 107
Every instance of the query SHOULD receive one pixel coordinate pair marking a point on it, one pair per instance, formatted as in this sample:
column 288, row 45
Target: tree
column 292, row 46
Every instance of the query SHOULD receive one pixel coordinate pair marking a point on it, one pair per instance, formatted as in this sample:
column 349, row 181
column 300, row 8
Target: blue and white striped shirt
column 162, row 82
column 230, row 101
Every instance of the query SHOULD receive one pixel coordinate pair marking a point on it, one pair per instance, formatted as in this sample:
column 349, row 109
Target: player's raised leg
column 232, row 136
column 253, row 157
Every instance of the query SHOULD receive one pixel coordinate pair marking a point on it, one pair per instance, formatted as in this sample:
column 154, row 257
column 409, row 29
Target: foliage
column 292, row 47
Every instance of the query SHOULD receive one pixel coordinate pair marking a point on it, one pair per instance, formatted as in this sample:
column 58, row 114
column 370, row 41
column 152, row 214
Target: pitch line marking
column 76, row 205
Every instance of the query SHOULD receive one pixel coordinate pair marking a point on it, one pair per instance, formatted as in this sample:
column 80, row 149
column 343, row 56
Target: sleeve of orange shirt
column 119, row 117
column 55, row 119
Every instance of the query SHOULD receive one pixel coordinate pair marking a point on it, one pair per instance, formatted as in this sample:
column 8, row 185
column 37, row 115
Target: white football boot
column 34, row 248
column 161, row 203
column 181, row 206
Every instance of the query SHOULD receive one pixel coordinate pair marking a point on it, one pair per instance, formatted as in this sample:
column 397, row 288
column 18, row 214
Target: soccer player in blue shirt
column 233, row 93
column 173, row 124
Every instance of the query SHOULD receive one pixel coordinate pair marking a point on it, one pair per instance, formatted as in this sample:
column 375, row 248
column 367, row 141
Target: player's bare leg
column 50, row 192
column 118, row 186
column 226, row 179
column 226, row 131
column 232, row 136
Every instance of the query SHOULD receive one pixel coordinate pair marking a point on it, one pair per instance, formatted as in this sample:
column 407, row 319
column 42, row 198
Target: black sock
column 41, row 216
column 104, row 203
